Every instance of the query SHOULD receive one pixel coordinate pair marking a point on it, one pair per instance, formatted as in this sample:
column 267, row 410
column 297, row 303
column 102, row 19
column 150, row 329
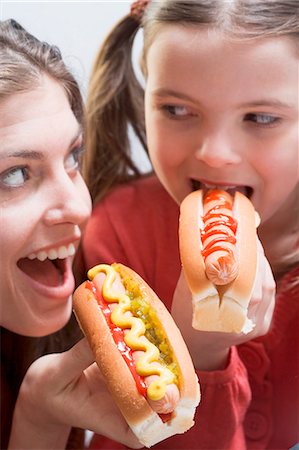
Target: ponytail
column 115, row 102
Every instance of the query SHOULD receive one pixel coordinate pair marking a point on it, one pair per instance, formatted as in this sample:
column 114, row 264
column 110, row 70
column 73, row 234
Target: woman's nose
column 70, row 202
column 217, row 151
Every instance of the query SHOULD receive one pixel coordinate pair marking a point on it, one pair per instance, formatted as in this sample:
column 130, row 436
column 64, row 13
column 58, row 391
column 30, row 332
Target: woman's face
column 222, row 113
column 44, row 204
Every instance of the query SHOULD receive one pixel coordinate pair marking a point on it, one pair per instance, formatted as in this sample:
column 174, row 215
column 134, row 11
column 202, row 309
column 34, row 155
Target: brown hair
column 23, row 61
column 115, row 100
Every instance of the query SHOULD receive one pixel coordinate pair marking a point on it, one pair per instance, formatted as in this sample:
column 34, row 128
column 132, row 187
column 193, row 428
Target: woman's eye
column 262, row 119
column 73, row 160
column 15, row 177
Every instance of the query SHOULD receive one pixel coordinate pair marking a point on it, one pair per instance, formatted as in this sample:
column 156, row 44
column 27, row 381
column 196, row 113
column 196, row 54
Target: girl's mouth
column 231, row 189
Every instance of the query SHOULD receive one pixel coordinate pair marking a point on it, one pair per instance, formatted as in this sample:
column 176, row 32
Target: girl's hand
column 210, row 350
column 61, row 391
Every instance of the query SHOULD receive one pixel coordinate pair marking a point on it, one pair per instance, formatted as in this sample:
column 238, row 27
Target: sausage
column 218, row 237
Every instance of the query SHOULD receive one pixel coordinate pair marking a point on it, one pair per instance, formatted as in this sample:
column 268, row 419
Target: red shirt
column 254, row 402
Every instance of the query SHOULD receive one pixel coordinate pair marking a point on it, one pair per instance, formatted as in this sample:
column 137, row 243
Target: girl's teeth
column 59, row 253
column 224, row 188
column 231, row 189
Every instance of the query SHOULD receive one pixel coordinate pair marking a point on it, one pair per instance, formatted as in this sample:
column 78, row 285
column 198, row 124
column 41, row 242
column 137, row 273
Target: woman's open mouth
column 231, row 189
column 50, row 270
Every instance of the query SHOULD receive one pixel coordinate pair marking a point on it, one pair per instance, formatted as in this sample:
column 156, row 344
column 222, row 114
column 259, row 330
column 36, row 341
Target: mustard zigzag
column 144, row 367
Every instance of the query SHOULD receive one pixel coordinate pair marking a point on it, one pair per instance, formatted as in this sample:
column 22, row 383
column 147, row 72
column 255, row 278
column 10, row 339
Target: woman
column 44, row 207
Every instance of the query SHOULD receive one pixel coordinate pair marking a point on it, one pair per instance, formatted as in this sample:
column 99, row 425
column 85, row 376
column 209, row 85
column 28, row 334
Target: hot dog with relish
column 140, row 352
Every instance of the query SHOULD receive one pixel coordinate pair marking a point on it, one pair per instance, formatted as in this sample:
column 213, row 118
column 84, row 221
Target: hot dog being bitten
column 218, row 237
column 140, row 352
column 218, row 249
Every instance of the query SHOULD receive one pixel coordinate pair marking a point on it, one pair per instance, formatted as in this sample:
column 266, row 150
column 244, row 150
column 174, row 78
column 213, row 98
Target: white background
column 77, row 28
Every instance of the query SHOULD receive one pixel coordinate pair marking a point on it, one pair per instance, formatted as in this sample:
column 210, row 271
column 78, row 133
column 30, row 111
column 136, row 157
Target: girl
column 221, row 109
column 44, row 207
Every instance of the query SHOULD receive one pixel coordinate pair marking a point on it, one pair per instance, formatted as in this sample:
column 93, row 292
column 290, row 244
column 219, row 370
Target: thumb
column 74, row 361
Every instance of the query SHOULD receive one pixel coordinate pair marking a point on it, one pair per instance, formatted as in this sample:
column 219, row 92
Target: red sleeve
column 226, row 396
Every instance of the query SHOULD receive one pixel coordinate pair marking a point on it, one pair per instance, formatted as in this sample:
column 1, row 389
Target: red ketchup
column 219, row 218
column 118, row 337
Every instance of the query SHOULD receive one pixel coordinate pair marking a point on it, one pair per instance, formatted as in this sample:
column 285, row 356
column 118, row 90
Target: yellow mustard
column 144, row 367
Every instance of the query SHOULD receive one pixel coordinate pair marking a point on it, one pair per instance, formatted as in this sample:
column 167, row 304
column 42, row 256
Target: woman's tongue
column 44, row 272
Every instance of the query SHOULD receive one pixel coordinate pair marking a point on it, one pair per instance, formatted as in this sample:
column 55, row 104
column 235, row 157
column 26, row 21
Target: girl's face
column 44, row 203
column 223, row 114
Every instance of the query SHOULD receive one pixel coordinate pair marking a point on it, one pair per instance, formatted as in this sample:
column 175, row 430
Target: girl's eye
column 15, row 177
column 177, row 111
column 265, row 120
column 73, row 160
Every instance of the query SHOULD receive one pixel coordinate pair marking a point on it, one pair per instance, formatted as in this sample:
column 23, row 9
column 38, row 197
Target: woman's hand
column 61, row 391
column 210, row 350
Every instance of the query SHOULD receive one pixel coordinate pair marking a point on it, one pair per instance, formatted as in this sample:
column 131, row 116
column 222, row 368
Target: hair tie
column 138, row 8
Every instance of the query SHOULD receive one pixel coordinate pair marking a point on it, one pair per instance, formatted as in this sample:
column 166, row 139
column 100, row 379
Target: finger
column 269, row 314
column 258, row 285
column 257, row 292
column 267, row 305
column 263, row 288
column 115, row 427
column 73, row 362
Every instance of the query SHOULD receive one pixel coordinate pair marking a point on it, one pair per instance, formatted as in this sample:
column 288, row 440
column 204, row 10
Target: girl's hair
column 24, row 60
column 115, row 100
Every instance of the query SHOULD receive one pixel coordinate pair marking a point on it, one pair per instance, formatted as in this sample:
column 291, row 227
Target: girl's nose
column 70, row 202
column 217, row 151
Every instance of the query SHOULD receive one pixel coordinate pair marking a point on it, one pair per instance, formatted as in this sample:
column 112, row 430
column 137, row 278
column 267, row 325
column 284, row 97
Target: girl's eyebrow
column 32, row 154
column 270, row 102
column 161, row 92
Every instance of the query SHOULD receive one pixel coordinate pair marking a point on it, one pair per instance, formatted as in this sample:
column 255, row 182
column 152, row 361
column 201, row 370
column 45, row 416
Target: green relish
column 154, row 330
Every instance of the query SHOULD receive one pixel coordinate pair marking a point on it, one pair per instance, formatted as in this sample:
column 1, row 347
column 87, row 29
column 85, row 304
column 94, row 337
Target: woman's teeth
column 54, row 253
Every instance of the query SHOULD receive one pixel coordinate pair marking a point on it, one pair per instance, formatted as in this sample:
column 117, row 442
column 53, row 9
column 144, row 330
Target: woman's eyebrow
column 27, row 154
column 76, row 137
column 33, row 154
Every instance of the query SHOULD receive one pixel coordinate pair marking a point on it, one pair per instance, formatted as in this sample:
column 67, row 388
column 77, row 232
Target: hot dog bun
column 147, row 424
column 219, row 307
